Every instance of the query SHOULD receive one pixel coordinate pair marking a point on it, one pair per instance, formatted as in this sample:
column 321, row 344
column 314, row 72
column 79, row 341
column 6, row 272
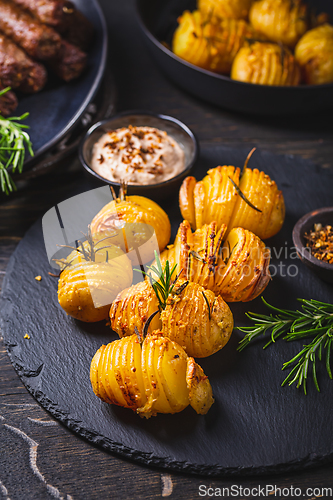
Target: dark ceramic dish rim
column 206, row 72
column 298, row 233
column 138, row 112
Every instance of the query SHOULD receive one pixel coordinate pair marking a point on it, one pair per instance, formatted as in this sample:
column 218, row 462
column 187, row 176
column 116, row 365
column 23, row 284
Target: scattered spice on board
column 320, row 242
column 26, row 336
column 38, row 278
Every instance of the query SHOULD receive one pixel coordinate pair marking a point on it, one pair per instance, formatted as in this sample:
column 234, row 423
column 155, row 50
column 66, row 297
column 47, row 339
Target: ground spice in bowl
column 320, row 242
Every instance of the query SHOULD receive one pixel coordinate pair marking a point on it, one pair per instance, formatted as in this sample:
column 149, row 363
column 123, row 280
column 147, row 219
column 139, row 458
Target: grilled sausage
column 17, row 70
column 70, row 63
column 38, row 40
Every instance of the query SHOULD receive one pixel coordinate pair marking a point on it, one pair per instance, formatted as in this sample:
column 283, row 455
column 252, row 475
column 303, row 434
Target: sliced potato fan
column 239, row 271
column 210, row 42
column 216, row 198
column 153, row 377
column 235, row 9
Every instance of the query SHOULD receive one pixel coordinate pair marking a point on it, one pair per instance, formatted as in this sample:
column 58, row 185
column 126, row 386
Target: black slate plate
column 55, row 110
column 254, row 427
column 158, row 21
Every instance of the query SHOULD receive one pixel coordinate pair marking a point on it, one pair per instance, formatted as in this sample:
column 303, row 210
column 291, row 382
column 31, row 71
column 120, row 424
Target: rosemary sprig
column 163, row 285
column 13, row 140
column 242, row 195
column 314, row 320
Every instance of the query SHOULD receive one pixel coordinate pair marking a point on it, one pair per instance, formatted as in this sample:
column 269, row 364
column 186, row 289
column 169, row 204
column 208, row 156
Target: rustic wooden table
column 40, row 458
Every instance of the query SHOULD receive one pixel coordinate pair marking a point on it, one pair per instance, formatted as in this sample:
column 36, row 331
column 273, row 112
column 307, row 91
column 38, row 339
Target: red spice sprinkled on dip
column 137, row 155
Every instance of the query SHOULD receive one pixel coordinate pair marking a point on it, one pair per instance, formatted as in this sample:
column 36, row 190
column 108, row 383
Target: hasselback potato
column 155, row 377
column 239, row 271
column 132, row 308
column 235, row 9
column 208, row 41
column 266, row 64
column 215, row 198
column 131, row 223
column 90, row 280
column 196, row 319
column 282, row 21
column 314, row 52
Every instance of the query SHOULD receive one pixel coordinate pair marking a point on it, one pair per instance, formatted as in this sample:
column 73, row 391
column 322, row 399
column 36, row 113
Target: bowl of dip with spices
column 151, row 153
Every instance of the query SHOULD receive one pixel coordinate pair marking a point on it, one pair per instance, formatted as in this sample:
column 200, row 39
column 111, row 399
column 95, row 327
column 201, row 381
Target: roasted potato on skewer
column 314, row 52
column 210, row 42
column 154, row 377
column 234, row 9
column 283, row 21
column 266, row 64
column 216, row 198
column 131, row 221
column 239, row 271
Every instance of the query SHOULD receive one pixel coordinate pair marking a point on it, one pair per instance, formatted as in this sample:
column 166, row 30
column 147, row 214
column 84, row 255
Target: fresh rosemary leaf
column 243, row 195
column 13, row 144
column 314, row 320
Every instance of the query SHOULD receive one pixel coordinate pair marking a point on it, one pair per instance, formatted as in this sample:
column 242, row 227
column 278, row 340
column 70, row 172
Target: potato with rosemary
column 185, row 312
column 282, row 21
column 134, row 223
column 91, row 278
column 210, row 42
column 314, row 52
column 132, row 308
column 149, row 376
column 234, row 9
column 251, row 200
column 238, row 271
column 266, row 64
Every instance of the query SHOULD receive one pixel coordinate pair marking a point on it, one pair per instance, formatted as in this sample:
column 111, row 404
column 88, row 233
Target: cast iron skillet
column 58, row 108
column 158, row 20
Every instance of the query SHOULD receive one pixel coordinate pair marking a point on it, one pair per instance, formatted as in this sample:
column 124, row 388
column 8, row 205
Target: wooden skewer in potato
column 252, row 201
column 149, row 377
column 237, row 271
column 210, row 42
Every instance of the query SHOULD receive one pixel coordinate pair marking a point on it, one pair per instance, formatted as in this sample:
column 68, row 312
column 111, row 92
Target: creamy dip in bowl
column 137, row 155
column 151, row 153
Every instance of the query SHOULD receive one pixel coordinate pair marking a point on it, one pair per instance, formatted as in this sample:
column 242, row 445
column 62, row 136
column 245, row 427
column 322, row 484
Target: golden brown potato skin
column 155, row 377
column 282, row 21
column 187, row 320
column 240, row 273
column 266, row 64
column 136, row 212
column 216, row 199
column 235, row 9
column 132, row 308
column 84, row 284
column 210, row 42
column 314, row 53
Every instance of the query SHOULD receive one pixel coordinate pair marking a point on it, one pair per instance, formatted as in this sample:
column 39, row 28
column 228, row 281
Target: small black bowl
column 323, row 216
column 175, row 128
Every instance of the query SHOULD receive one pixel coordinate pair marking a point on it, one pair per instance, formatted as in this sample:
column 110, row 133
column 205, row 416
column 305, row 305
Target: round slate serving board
column 254, row 426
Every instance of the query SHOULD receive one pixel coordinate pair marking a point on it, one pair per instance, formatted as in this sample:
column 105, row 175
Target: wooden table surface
column 41, row 459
